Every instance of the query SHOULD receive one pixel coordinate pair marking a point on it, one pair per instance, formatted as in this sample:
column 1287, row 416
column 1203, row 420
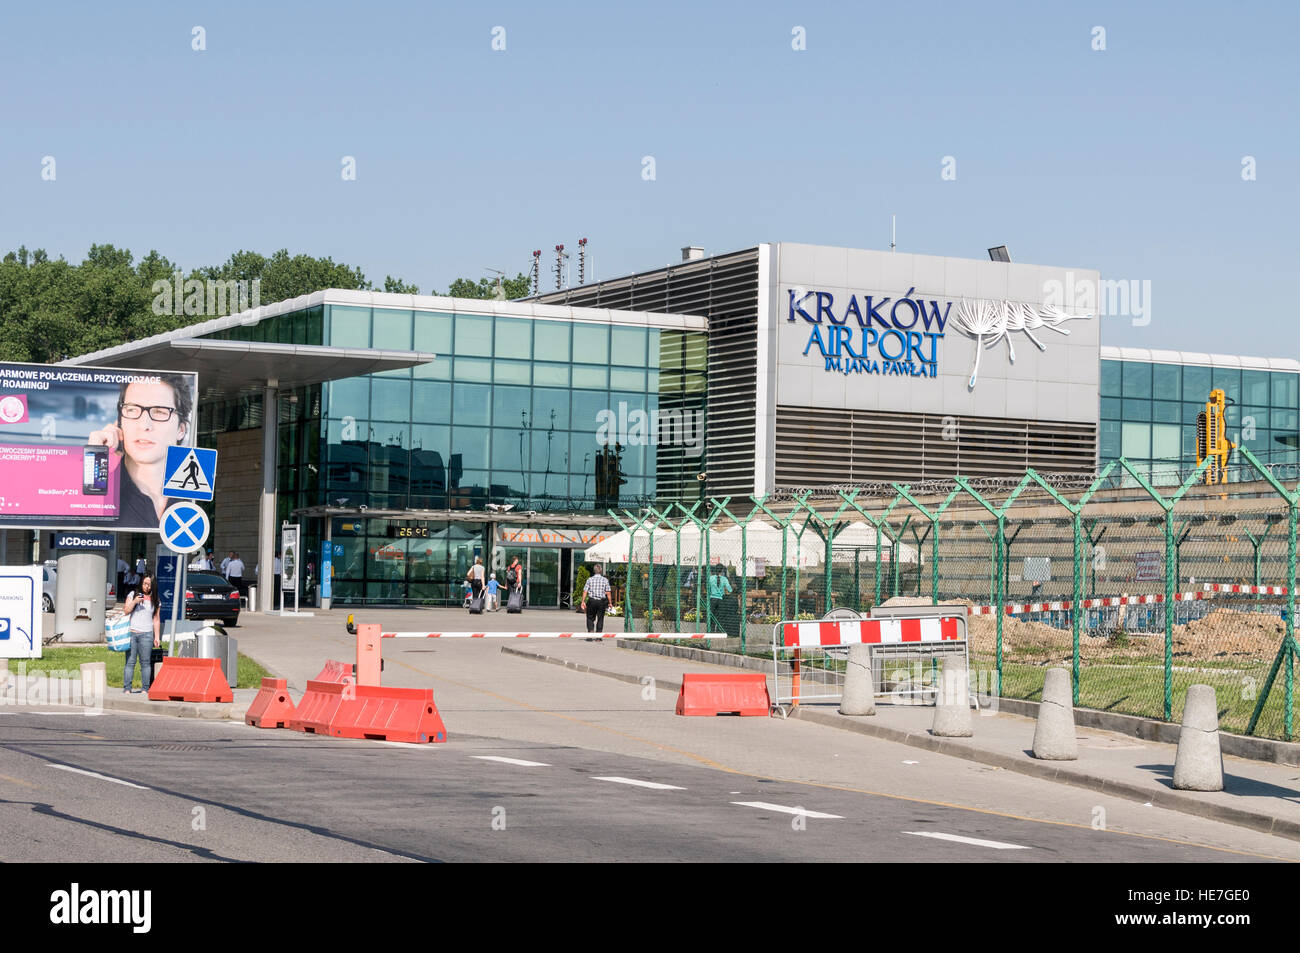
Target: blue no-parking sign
column 184, row 527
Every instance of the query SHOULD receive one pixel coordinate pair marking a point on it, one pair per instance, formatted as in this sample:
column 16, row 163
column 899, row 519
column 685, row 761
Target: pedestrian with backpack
column 515, row 587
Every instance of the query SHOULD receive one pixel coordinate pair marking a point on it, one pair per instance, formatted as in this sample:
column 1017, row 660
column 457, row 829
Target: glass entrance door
column 543, row 577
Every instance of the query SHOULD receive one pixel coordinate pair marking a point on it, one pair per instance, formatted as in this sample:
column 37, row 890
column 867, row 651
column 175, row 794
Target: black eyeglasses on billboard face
column 156, row 414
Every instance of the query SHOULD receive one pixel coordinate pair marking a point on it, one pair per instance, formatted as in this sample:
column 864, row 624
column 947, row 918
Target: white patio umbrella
column 611, row 550
column 860, row 538
column 616, row 548
column 763, row 541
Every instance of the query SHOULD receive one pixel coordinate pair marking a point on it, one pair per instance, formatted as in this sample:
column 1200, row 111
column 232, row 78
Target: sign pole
column 177, row 593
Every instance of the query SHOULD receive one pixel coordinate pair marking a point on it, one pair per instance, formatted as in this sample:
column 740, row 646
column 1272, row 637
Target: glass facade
column 1148, row 414
column 511, row 412
column 547, row 415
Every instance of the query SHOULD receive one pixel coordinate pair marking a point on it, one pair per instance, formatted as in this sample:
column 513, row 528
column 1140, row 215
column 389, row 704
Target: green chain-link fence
column 1121, row 580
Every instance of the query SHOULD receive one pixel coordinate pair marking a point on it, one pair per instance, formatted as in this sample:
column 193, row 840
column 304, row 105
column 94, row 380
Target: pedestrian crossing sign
column 191, row 473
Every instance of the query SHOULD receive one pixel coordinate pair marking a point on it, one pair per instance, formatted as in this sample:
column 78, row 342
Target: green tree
column 52, row 309
column 399, row 287
column 516, row 287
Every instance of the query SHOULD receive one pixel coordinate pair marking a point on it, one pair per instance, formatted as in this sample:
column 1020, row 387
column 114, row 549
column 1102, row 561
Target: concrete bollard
column 94, row 683
column 952, row 703
column 1199, row 763
column 859, row 687
column 1054, row 738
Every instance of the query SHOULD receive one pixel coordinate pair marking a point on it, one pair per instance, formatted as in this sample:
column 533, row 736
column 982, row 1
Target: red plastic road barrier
column 318, row 707
column 272, row 708
column 335, row 672
column 190, row 680
column 389, row 714
column 744, row 693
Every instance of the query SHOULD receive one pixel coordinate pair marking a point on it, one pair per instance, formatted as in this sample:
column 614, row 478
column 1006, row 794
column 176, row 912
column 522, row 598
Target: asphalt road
column 119, row 787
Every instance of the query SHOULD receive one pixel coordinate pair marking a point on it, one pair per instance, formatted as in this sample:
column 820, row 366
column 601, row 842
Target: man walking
column 235, row 574
column 595, row 600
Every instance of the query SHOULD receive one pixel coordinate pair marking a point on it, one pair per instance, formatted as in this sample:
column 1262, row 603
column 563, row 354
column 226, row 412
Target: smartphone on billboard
column 94, row 471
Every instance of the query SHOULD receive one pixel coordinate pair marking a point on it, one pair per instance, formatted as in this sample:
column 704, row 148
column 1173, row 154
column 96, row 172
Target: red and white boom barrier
column 553, row 635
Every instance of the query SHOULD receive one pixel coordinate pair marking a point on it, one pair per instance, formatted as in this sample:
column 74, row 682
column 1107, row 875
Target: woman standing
column 142, row 609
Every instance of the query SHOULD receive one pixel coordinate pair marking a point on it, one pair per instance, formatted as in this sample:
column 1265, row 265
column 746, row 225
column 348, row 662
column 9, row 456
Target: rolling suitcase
column 516, row 603
column 476, row 604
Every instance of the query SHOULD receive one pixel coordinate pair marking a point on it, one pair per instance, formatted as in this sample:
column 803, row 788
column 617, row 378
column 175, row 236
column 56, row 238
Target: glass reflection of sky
column 74, row 414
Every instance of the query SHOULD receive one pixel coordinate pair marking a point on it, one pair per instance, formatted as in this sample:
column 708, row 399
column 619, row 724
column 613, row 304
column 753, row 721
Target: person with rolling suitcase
column 515, row 585
column 478, row 591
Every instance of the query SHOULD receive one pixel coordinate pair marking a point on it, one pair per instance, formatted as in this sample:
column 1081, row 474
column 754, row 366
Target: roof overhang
column 513, row 516
column 230, row 368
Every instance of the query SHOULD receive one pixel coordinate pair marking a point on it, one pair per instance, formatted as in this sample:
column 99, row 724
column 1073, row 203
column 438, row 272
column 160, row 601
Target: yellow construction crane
column 1211, row 439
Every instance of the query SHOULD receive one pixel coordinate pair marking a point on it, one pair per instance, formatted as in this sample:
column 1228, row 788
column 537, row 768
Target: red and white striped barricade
column 924, row 633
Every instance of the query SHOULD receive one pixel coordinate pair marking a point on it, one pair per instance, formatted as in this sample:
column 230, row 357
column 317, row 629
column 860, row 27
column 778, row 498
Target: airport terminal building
column 415, row 432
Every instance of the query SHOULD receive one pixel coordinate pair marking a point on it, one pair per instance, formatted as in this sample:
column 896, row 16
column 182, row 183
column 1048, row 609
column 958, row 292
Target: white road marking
column 101, row 777
column 402, row 744
column 801, row 812
column 518, row 761
column 642, row 784
column 996, row 845
column 911, row 762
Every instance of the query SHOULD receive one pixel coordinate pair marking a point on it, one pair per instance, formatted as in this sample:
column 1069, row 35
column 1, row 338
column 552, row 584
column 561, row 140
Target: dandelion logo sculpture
column 989, row 321
column 904, row 339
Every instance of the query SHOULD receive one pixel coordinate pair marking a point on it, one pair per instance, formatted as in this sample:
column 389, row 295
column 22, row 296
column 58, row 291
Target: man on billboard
column 151, row 416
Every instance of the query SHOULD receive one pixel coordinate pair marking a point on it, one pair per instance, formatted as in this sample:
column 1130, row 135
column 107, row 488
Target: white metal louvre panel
column 814, row 448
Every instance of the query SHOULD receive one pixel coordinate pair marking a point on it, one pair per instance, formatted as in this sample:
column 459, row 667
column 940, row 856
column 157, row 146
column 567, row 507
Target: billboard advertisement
column 86, row 447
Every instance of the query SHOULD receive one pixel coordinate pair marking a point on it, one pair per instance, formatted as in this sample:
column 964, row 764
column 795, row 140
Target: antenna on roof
column 534, row 273
column 893, row 231
column 560, row 256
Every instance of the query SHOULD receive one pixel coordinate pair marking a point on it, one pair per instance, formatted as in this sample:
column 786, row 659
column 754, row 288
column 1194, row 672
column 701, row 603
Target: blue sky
column 1127, row 160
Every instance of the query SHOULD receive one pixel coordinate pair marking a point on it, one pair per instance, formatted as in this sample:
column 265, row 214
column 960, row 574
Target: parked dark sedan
column 208, row 596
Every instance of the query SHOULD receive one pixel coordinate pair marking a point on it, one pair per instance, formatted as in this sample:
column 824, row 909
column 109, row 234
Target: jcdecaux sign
column 872, row 334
